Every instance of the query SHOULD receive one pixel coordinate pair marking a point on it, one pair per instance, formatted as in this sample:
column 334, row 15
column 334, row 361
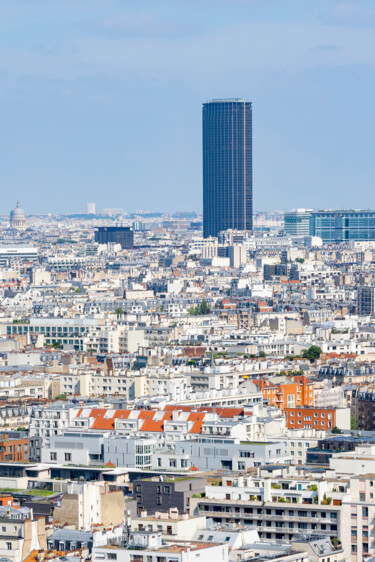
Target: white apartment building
column 150, row 546
column 52, row 420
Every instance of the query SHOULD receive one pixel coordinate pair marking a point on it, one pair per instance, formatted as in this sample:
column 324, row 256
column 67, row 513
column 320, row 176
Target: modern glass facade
column 117, row 234
column 332, row 227
column 343, row 226
column 297, row 223
column 227, row 166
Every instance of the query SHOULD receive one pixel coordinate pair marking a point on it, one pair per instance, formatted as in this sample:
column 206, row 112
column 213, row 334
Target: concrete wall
column 68, row 512
column 112, row 507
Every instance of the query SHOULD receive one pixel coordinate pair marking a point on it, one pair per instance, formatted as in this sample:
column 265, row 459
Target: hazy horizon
column 101, row 100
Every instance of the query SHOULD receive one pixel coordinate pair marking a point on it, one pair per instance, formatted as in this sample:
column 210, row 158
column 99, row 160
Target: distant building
column 91, row 209
column 118, row 234
column 18, row 219
column 333, row 226
column 366, row 300
column 297, row 223
column 227, row 166
column 365, row 410
column 10, row 254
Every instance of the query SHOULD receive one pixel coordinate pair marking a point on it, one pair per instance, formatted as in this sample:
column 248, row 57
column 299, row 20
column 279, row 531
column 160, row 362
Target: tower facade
column 227, row 166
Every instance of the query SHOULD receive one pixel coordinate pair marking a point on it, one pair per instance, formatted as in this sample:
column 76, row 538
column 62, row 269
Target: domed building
column 18, row 219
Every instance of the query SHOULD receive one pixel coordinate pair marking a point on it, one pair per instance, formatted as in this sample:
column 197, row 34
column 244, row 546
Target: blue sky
column 100, row 100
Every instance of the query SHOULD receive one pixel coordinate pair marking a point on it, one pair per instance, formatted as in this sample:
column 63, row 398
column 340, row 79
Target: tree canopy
column 312, row 353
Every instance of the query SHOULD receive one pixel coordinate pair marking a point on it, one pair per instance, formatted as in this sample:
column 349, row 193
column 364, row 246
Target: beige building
column 90, row 503
column 21, row 534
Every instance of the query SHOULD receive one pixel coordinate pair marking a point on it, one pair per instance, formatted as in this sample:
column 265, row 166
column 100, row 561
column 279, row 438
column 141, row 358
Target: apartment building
column 215, row 453
column 163, row 493
column 357, row 520
column 21, row 533
column 46, row 422
column 317, row 418
column 296, row 392
column 280, row 508
column 14, row 448
column 150, row 546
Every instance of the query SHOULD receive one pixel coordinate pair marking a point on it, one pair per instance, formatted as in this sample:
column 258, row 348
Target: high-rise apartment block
column 227, row 166
column 333, row 227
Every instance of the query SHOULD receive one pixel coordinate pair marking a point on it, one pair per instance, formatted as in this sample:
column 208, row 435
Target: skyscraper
column 227, row 166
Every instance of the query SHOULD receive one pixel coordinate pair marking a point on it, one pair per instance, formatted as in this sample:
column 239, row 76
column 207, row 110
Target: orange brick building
column 298, row 391
column 13, row 449
column 317, row 418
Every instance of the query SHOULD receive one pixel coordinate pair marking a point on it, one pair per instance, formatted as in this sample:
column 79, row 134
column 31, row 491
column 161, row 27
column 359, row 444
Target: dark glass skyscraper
column 227, row 166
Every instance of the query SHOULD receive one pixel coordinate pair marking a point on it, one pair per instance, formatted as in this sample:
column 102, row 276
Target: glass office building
column 227, row 166
column 297, row 223
column 117, row 234
column 343, row 226
column 333, row 227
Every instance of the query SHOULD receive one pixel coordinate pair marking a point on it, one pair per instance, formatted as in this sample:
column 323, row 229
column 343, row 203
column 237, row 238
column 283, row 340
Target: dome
column 18, row 218
column 18, row 211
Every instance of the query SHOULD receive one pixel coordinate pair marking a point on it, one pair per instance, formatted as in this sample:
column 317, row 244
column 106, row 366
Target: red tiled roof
column 198, row 419
column 103, row 423
column 122, row 414
column 156, row 425
column 98, row 412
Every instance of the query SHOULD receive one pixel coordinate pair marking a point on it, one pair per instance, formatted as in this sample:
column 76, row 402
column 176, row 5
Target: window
column 9, row 546
column 167, row 490
column 362, row 497
column 111, row 556
column 68, row 456
column 158, row 500
column 53, row 456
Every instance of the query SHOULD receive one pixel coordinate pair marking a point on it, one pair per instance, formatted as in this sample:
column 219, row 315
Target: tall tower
column 227, row 166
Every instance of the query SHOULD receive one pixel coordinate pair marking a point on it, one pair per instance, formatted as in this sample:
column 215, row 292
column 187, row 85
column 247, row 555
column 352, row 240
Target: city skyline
column 83, row 120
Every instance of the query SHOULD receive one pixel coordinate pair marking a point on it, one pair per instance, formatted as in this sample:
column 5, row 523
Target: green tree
column 262, row 354
column 119, row 312
column 336, row 430
column 199, row 310
column 312, row 353
column 61, row 397
column 353, row 422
